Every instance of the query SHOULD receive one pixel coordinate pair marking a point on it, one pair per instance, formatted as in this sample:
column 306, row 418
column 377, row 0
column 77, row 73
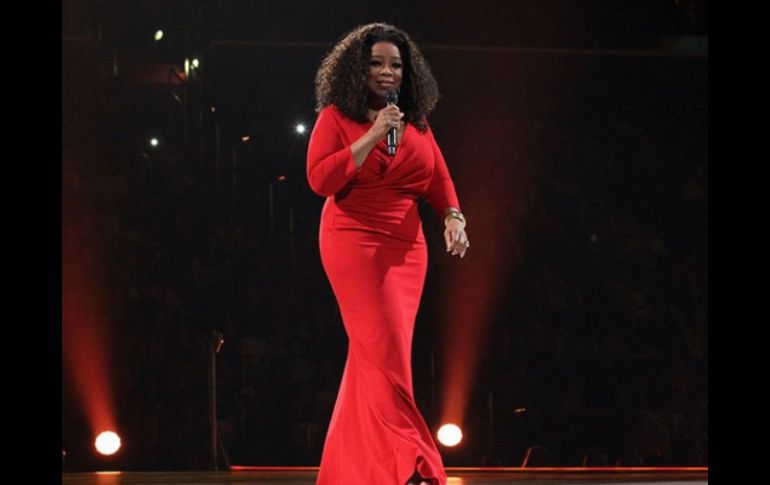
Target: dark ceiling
column 259, row 57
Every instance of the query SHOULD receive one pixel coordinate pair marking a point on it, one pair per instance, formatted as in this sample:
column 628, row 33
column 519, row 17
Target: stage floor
column 456, row 477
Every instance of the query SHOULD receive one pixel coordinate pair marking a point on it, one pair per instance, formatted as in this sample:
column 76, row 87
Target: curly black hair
column 341, row 79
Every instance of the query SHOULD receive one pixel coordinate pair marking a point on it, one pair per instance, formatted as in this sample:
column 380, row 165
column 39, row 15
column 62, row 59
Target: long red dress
column 374, row 253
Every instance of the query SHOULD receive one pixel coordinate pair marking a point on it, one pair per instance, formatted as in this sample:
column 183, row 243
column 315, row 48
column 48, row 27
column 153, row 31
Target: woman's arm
column 362, row 147
column 331, row 164
column 441, row 194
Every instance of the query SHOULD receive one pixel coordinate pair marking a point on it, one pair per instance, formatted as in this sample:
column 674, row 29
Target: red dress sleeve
column 441, row 192
column 330, row 164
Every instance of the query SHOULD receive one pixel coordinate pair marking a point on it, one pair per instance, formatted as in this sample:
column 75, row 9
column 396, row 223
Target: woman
column 373, row 249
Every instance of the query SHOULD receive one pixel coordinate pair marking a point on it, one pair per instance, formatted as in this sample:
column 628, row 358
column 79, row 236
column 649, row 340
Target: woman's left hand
column 455, row 237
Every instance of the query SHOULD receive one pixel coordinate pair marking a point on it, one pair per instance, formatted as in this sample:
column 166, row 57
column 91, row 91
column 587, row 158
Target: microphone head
column 391, row 97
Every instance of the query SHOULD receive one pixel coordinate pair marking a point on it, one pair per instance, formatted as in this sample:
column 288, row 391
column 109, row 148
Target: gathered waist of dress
column 387, row 221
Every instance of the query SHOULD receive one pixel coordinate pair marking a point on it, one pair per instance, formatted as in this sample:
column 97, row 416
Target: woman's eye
column 397, row 65
column 374, row 63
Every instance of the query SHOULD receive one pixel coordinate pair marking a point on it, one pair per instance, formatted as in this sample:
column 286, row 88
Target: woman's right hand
column 387, row 118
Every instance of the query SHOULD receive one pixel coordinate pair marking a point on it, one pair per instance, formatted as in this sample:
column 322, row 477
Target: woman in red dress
column 373, row 249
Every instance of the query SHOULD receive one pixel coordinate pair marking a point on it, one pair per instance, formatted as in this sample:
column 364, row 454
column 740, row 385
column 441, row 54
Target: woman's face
column 386, row 69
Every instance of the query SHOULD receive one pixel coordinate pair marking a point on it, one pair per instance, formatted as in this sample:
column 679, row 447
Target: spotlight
column 107, row 443
column 281, row 178
column 301, row 128
column 195, row 64
column 449, row 434
column 158, row 35
column 245, row 138
column 154, row 142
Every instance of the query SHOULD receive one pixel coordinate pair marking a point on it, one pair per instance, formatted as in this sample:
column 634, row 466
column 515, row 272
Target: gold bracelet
column 455, row 215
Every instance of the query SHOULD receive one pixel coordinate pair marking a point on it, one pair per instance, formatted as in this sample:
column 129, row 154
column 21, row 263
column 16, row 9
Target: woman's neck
column 376, row 103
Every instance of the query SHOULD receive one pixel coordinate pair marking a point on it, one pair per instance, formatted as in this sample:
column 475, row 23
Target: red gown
column 374, row 253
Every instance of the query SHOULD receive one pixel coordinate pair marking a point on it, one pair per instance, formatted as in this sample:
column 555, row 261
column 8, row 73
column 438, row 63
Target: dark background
column 576, row 132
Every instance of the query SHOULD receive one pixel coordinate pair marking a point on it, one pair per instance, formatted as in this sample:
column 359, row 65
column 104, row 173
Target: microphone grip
column 391, row 99
column 392, row 141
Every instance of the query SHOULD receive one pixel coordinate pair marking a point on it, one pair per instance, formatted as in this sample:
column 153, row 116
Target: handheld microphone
column 392, row 99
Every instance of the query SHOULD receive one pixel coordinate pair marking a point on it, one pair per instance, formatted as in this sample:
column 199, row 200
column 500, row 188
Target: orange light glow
column 85, row 318
column 482, row 280
column 245, row 139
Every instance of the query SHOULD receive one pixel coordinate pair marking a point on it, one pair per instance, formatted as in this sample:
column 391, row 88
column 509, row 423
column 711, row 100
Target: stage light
column 195, row 64
column 281, row 178
column 187, row 67
column 301, row 128
column 213, row 109
column 107, row 443
column 158, row 35
column 154, row 142
column 245, row 138
column 449, row 434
